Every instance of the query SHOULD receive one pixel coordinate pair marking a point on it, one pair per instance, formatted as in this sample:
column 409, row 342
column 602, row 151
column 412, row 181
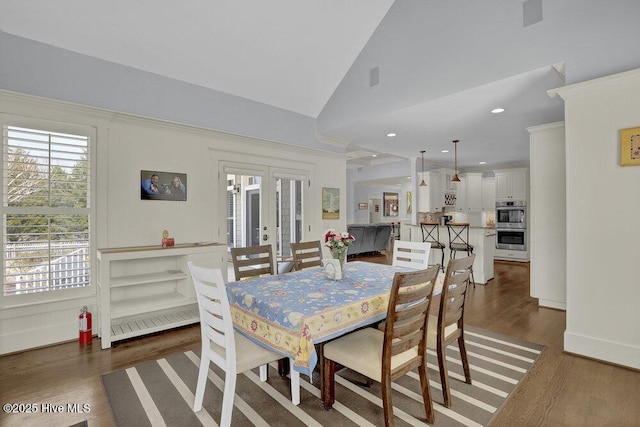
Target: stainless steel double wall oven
column 511, row 225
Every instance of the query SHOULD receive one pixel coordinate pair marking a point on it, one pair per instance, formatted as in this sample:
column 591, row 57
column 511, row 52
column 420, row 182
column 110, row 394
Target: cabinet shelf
column 132, row 306
column 132, row 326
column 141, row 279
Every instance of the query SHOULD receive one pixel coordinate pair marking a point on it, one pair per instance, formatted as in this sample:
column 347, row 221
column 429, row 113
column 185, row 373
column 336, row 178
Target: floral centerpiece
column 338, row 244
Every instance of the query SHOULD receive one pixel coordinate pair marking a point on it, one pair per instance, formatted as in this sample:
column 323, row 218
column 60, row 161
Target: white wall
column 364, row 183
column 363, row 194
column 125, row 146
column 603, row 208
column 547, row 215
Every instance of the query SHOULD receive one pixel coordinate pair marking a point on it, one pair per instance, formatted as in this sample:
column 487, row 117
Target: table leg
column 295, row 386
column 283, row 367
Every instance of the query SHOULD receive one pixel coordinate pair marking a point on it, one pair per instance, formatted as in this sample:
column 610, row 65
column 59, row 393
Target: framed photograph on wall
column 363, row 206
column 163, row 185
column 390, row 203
column 330, row 203
column 630, row 147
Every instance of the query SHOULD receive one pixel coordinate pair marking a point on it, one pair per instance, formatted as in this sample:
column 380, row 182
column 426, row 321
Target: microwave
column 512, row 214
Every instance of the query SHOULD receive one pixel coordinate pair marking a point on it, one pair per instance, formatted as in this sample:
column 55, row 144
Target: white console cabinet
column 147, row 289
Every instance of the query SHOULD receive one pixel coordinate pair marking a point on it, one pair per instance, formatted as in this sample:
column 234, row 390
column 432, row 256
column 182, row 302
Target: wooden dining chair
column 230, row 351
column 411, row 254
column 387, row 355
column 252, row 261
column 448, row 326
column 306, row 254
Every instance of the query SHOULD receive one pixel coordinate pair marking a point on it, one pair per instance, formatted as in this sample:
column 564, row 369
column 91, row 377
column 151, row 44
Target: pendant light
column 456, row 178
column 422, row 183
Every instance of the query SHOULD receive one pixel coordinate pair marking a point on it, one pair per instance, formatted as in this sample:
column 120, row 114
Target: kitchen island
column 482, row 238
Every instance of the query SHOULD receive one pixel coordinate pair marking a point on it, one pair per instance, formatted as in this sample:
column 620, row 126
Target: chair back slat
column 306, row 254
column 414, row 311
column 408, row 342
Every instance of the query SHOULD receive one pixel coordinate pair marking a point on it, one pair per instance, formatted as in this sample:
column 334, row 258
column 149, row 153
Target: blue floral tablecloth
column 291, row 312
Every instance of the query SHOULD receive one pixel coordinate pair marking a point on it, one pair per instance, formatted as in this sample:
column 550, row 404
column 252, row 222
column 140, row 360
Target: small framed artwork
column 409, row 202
column 330, row 203
column 630, row 147
column 163, row 185
column 363, row 206
column 390, row 203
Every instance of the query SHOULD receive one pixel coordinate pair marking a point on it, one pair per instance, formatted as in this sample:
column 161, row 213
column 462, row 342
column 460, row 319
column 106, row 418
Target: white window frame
column 58, row 295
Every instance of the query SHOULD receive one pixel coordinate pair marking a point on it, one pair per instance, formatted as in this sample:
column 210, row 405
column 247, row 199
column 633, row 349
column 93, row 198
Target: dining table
column 289, row 313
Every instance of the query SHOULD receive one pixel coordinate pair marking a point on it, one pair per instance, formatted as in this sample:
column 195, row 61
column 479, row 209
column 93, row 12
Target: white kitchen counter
column 483, row 240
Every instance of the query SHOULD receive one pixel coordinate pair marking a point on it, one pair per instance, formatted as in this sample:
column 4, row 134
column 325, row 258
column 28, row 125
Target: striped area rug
column 161, row 392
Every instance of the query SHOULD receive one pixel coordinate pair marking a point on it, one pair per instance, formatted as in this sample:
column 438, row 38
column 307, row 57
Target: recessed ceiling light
column 482, row 163
column 391, row 135
column 408, row 177
column 444, row 151
column 497, row 110
column 374, row 155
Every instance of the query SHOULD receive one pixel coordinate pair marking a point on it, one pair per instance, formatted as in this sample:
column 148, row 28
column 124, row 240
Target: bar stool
column 431, row 234
column 459, row 241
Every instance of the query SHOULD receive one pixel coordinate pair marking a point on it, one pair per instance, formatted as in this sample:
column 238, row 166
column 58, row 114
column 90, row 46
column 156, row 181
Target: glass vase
column 342, row 257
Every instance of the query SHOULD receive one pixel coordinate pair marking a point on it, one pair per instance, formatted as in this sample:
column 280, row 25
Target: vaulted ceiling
column 427, row 70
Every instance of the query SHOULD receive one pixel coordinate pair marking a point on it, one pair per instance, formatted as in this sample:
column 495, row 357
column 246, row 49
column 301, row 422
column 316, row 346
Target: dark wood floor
column 561, row 389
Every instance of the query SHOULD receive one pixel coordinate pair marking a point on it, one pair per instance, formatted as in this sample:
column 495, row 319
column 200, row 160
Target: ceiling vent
column 532, row 12
column 374, row 76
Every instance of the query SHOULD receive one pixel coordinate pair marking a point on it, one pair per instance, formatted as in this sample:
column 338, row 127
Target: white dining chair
column 411, row 254
column 232, row 352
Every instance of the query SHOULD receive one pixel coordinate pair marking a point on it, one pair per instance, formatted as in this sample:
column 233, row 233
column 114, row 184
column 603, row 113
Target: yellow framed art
column 630, row 147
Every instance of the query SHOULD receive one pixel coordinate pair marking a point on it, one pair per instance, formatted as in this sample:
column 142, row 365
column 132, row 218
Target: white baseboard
column 45, row 335
column 597, row 348
column 552, row 304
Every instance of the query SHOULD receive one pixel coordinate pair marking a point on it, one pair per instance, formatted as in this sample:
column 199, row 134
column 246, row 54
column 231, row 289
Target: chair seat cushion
column 249, row 355
column 438, row 245
column 460, row 247
column 432, row 331
column 361, row 351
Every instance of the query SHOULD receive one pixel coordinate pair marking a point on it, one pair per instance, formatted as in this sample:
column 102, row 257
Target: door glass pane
column 243, row 210
column 289, row 215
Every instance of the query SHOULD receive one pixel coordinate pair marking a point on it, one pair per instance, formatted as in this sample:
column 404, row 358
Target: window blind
column 46, row 204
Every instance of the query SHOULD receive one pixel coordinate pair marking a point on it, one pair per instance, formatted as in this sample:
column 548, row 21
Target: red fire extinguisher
column 85, row 326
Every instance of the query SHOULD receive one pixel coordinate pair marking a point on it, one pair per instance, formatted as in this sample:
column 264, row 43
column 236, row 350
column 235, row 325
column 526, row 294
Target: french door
column 264, row 205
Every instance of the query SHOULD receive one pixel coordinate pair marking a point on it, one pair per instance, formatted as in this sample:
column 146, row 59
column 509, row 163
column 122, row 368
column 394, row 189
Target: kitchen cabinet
column 431, row 197
column 488, row 194
column 469, row 193
column 450, row 189
column 511, row 255
column 147, row 289
column 461, row 196
column 511, row 184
